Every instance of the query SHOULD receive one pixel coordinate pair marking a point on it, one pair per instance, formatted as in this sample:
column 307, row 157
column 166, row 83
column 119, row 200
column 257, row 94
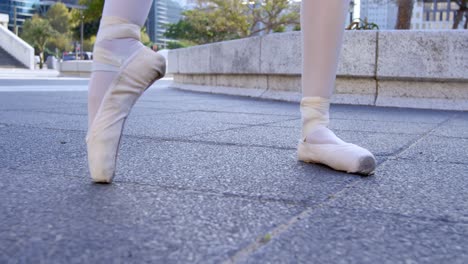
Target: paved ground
column 208, row 179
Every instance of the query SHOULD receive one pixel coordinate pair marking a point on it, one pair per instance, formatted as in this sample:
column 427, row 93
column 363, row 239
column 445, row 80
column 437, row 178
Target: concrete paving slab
column 381, row 144
column 44, row 120
column 339, row 235
column 439, row 149
column 44, row 150
column 200, row 177
column 455, row 127
column 263, row 173
column 53, row 219
column 368, row 126
column 237, row 170
column 412, row 188
column 390, row 114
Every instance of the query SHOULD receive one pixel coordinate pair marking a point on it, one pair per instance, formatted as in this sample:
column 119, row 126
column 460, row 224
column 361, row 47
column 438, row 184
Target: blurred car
column 69, row 56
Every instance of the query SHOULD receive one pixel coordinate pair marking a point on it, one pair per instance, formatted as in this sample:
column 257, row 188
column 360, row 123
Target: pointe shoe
column 341, row 156
column 138, row 73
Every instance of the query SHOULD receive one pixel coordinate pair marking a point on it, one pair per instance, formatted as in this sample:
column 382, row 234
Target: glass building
column 162, row 13
column 18, row 11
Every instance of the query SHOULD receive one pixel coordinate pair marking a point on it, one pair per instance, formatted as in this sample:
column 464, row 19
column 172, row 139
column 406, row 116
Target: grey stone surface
column 455, row 127
column 387, row 127
column 205, row 178
column 341, row 235
column 236, row 56
column 173, row 62
column 423, row 54
column 413, row 188
column 49, row 218
column 358, row 54
column 415, row 69
column 439, row 149
column 274, row 136
column 281, row 54
column 194, row 60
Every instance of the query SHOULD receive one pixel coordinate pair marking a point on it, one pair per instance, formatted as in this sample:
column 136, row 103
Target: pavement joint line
column 438, row 219
column 428, row 161
column 42, row 111
column 244, row 113
column 218, row 111
column 246, row 252
column 366, row 131
column 208, row 192
column 160, row 139
column 376, row 67
column 206, row 142
column 379, row 120
column 423, row 136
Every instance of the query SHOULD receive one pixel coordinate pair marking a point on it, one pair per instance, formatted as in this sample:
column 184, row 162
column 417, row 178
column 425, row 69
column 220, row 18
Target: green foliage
column 179, row 44
column 144, row 37
column 38, row 32
column 90, row 29
column 219, row 20
column 91, row 17
column 59, row 18
column 94, row 9
column 275, row 15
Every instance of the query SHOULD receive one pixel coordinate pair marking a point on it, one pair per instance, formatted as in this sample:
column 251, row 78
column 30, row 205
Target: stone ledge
column 425, row 69
column 76, row 68
column 348, row 90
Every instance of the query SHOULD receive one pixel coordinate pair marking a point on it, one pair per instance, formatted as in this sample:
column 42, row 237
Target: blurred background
column 66, row 30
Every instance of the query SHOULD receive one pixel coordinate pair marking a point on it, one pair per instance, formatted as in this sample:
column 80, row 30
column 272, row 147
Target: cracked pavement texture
column 205, row 178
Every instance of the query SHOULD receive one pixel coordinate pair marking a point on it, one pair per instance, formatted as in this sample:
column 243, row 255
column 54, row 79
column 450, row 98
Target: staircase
column 8, row 61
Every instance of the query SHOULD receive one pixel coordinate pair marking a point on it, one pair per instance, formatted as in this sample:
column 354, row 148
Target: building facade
column 381, row 12
column 162, row 13
column 18, row 11
column 46, row 4
column 435, row 14
column 427, row 14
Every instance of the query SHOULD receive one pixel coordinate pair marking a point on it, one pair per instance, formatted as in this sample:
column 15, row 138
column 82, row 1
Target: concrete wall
column 419, row 69
column 76, row 68
column 4, row 19
column 17, row 47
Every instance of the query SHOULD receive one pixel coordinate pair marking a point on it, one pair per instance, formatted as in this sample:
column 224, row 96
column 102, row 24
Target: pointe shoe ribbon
column 341, row 156
column 138, row 73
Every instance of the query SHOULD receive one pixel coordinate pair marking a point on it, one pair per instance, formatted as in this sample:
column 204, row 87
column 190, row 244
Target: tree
column 38, row 32
column 91, row 17
column 59, row 18
column 274, row 16
column 405, row 12
column 94, row 9
column 212, row 21
column 218, row 20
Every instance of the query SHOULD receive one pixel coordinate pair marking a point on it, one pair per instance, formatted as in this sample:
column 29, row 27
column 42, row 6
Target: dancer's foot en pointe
column 132, row 74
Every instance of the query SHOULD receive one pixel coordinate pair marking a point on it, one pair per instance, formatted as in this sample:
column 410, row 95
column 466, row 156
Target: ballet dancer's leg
column 323, row 26
column 123, row 47
column 122, row 69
